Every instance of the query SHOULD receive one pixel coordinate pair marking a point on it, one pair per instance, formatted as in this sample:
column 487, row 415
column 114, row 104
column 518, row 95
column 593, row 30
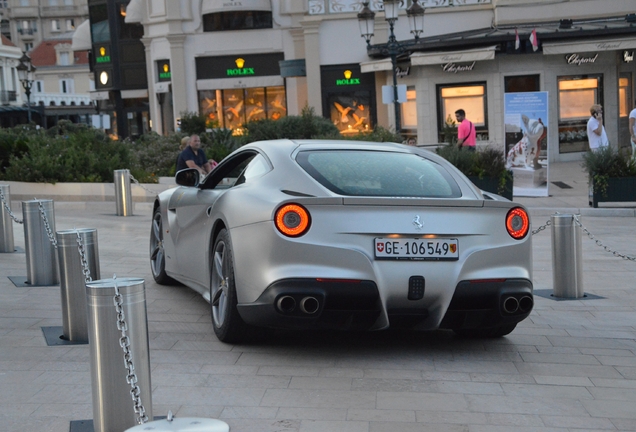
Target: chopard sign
column 575, row 59
column 609, row 45
column 455, row 68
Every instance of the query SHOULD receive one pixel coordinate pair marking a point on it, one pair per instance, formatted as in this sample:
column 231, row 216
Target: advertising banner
column 526, row 132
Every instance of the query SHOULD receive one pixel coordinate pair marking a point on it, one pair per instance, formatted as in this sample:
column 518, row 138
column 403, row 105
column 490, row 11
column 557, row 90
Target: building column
column 179, row 77
column 155, row 113
column 312, row 64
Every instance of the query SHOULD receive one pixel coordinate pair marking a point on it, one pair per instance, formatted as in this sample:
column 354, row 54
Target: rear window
column 376, row 173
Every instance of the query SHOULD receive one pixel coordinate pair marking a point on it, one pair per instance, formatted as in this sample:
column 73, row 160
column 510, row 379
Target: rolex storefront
column 238, row 89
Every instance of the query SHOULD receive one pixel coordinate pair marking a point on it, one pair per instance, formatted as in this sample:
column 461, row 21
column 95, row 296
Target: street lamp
column 26, row 72
column 393, row 48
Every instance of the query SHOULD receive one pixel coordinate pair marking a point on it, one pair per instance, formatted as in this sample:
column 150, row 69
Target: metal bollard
column 73, row 280
column 41, row 258
column 123, row 194
column 567, row 262
column 112, row 403
column 6, row 223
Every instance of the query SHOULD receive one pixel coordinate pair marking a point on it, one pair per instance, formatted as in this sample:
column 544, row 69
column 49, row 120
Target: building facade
column 43, row 30
column 238, row 61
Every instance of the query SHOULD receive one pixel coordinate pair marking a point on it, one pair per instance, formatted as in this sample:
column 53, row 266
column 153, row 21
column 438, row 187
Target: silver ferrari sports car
column 317, row 234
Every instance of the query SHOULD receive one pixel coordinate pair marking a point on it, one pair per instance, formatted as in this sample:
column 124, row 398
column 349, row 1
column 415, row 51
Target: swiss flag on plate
column 380, row 247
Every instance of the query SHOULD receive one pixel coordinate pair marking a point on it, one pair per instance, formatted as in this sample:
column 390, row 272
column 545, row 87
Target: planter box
column 619, row 189
column 491, row 184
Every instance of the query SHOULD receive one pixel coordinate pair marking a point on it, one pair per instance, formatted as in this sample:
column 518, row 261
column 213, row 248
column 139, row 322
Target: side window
column 255, row 168
column 238, row 170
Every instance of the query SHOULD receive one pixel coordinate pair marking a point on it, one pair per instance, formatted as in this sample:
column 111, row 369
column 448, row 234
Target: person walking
column 193, row 156
column 466, row 133
column 596, row 135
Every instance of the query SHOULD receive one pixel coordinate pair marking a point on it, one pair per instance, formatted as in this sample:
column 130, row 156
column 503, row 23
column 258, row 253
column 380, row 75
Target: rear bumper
column 309, row 303
column 315, row 304
column 488, row 304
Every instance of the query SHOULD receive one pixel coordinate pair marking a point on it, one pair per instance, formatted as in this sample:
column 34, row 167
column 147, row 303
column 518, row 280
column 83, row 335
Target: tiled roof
column 6, row 41
column 44, row 53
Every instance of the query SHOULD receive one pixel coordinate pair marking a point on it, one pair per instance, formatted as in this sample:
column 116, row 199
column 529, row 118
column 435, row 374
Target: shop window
column 233, row 108
column 576, row 96
column 624, row 94
column 409, row 109
column 522, row 84
column 237, row 20
column 469, row 97
column 350, row 112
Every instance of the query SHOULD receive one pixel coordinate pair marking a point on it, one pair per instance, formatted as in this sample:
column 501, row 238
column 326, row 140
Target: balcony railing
column 60, row 99
column 27, row 31
column 7, row 96
column 321, row 7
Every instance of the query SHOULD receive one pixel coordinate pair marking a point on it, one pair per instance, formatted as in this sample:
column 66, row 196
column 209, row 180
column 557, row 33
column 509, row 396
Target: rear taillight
column 517, row 223
column 292, row 220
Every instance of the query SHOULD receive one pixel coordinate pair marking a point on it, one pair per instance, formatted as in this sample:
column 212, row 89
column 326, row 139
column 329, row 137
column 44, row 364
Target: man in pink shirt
column 466, row 133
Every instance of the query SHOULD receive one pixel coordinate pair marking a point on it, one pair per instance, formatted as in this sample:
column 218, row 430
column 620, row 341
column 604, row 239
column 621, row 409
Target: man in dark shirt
column 194, row 157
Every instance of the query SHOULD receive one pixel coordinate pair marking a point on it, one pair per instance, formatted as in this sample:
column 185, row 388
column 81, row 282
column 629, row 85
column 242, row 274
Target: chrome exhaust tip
column 286, row 304
column 309, row 305
column 526, row 303
column 510, row 305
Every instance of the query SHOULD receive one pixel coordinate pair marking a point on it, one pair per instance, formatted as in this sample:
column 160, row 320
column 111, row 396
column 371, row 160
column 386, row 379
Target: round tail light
column 292, row 220
column 517, row 223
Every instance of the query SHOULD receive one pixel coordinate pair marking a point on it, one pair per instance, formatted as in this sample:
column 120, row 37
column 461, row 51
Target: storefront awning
column 82, row 37
column 589, row 46
column 212, row 6
column 134, row 12
column 436, row 58
column 376, row 66
column 245, row 82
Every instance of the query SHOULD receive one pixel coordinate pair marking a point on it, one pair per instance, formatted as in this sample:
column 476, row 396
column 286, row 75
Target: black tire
column 227, row 323
column 484, row 333
column 157, row 253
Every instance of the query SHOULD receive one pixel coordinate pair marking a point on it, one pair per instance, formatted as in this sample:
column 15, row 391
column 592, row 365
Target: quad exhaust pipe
column 286, row 304
column 308, row 305
column 511, row 305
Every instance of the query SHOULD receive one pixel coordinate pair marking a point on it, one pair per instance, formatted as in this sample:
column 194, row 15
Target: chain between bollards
column 47, row 227
column 124, row 343
column 86, row 271
column 140, row 185
column 8, row 209
column 591, row 236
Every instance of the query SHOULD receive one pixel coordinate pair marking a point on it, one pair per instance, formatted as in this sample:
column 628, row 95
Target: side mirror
column 187, row 177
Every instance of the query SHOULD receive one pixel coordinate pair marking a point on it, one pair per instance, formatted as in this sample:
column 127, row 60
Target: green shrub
column 193, row 123
column 305, row 126
column 607, row 162
column 379, row 134
column 84, row 155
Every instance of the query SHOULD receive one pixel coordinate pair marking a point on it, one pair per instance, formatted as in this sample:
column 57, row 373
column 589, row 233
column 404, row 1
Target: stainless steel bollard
column 123, row 194
column 567, row 262
column 112, row 403
column 41, row 258
column 6, row 224
column 73, row 281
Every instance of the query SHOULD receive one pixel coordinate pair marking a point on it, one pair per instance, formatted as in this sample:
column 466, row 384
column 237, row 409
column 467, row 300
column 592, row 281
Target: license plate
column 437, row 249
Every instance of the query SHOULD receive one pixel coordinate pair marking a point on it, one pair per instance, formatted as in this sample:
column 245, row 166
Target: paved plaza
column 571, row 366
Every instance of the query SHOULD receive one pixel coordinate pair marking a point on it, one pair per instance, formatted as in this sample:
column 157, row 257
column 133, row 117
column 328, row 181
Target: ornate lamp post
column 26, row 72
column 393, row 48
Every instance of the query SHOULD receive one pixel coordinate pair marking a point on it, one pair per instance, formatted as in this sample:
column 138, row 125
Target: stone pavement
column 571, row 366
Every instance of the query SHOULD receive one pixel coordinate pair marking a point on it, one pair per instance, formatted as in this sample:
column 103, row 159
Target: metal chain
column 47, row 227
column 124, row 343
column 599, row 243
column 542, row 227
column 8, row 209
column 85, row 270
column 141, row 186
